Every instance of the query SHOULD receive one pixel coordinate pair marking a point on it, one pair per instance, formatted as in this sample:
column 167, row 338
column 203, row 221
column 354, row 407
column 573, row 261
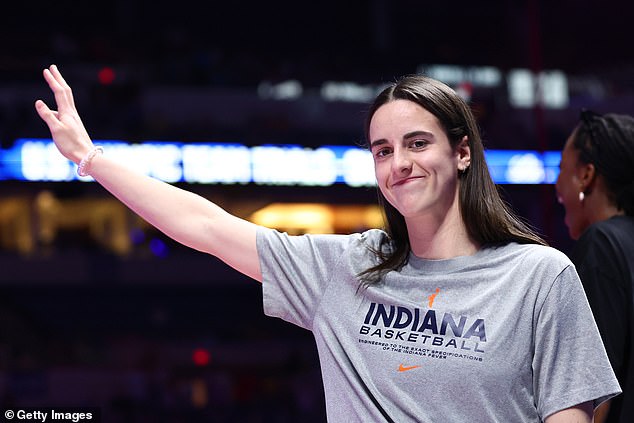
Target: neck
column 605, row 213
column 440, row 237
column 598, row 205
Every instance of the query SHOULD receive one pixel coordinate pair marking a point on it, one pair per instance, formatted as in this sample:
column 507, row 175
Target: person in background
column 455, row 312
column 596, row 188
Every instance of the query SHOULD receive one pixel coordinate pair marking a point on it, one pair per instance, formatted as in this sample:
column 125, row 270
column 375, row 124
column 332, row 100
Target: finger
column 42, row 109
column 51, row 80
column 61, row 90
column 47, row 115
column 54, row 70
column 62, row 82
column 55, row 86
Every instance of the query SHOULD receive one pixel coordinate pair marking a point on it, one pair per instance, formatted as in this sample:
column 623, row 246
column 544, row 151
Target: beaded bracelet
column 82, row 169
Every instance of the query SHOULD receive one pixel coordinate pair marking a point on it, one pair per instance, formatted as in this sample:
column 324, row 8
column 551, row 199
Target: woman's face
column 568, row 187
column 416, row 168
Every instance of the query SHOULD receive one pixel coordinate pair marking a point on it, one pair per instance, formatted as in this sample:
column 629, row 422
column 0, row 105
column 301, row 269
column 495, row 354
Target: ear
column 463, row 154
column 586, row 173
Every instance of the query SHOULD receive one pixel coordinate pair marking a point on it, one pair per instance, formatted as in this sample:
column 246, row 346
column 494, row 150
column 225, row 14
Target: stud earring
column 582, row 196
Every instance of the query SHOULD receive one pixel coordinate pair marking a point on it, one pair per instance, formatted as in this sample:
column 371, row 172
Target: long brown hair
column 488, row 218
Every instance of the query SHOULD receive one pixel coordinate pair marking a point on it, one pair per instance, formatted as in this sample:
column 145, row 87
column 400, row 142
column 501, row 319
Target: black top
column 604, row 257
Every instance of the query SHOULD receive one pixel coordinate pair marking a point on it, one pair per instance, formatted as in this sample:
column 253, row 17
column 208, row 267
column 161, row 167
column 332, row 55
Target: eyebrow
column 409, row 135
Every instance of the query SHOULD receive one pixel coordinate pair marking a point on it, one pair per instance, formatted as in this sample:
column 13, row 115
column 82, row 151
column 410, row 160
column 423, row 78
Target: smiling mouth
column 406, row 180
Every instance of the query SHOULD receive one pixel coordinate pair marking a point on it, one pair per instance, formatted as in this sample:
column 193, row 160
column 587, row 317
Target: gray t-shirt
column 505, row 335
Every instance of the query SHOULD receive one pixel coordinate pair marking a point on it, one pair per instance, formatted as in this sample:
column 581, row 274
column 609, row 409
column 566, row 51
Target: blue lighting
column 235, row 163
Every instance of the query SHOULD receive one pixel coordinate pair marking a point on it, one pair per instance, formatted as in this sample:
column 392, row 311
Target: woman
column 596, row 187
column 454, row 313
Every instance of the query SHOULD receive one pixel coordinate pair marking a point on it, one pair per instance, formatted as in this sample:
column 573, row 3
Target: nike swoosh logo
column 402, row 368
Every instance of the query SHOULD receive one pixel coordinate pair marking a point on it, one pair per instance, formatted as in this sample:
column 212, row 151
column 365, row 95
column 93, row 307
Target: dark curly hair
column 607, row 142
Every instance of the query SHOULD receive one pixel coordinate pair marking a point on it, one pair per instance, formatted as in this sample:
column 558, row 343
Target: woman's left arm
column 580, row 413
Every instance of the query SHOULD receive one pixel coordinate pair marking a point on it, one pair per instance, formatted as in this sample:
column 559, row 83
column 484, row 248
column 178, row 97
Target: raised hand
column 68, row 131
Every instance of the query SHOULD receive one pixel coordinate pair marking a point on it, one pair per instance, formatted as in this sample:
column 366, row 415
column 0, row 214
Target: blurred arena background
column 98, row 309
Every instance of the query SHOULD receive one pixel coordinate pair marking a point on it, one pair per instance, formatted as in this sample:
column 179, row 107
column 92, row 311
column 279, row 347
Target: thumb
column 43, row 110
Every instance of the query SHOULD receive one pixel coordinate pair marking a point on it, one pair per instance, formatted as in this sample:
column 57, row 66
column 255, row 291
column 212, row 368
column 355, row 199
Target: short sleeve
column 570, row 365
column 296, row 271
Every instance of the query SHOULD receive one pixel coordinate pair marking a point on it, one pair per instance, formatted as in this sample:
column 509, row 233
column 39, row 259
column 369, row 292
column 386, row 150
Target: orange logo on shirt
column 402, row 368
column 432, row 297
